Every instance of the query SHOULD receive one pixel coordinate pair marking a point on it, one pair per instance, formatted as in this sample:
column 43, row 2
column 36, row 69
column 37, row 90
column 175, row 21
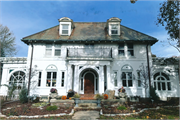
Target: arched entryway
column 88, row 82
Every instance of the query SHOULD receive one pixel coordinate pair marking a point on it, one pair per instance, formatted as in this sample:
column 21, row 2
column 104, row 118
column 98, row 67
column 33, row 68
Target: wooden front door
column 89, row 83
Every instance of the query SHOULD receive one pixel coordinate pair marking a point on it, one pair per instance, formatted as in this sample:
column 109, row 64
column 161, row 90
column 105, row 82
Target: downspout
column 30, row 68
column 148, row 67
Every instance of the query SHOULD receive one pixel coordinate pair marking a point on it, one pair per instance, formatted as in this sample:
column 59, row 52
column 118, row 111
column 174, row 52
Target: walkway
column 86, row 115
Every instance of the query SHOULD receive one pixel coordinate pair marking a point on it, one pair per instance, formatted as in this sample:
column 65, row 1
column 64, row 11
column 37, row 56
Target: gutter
column 148, row 67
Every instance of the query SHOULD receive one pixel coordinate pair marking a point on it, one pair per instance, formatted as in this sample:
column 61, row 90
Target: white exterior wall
column 41, row 61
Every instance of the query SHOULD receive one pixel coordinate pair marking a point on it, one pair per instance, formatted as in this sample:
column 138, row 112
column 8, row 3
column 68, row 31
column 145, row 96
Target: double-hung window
column 121, row 50
column 62, row 80
column 51, row 79
column 127, row 79
column 130, row 50
column 114, row 29
column 65, row 29
column 115, row 79
column 48, row 50
column 139, row 79
column 57, row 50
column 39, row 79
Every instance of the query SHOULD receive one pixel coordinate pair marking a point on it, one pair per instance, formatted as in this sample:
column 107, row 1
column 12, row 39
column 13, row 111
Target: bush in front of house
column 23, row 95
column 153, row 94
column 50, row 108
column 121, row 108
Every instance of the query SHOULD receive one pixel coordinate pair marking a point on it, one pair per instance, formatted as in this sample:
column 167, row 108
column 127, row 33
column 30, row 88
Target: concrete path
column 86, row 115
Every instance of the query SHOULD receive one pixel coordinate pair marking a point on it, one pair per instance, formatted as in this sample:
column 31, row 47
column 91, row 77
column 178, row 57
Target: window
column 65, row 29
column 62, row 80
column 130, row 50
column 139, row 79
column 51, row 79
column 114, row 29
column 39, row 79
column 121, row 50
column 18, row 79
column 127, row 79
column 48, row 50
column 57, row 50
column 161, row 82
column 115, row 79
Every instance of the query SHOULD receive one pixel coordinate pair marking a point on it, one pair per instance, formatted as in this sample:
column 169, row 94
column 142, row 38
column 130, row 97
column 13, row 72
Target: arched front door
column 89, row 83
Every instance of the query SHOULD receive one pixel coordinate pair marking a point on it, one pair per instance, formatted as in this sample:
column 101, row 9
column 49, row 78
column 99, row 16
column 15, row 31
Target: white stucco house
column 89, row 57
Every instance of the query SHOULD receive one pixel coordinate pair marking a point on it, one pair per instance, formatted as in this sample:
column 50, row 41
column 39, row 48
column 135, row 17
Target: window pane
column 57, row 52
column 62, row 82
column 162, row 78
column 114, row 26
column 159, row 86
column 124, row 83
column 48, row 52
column 163, row 86
column 48, row 83
column 54, row 79
column 130, row 46
column 130, row 53
column 121, row 52
column 169, row 85
column 114, row 32
column 121, row 46
column 139, row 83
column 81, row 83
column 65, row 32
column 115, row 78
column 130, row 83
column 129, row 75
column 39, row 81
column 123, row 75
column 65, row 27
column 155, row 85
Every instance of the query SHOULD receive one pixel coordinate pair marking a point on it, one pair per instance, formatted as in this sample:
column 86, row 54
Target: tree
column 169, row 17
column 7, row 42
column 143, row 76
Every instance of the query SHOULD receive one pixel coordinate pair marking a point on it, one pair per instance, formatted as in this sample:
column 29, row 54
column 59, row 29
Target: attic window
column 114, row 29
column 65, row 29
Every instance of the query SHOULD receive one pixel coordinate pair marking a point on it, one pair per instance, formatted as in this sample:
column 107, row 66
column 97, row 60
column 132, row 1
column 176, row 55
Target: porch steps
column 87, row 105
column 87, row 97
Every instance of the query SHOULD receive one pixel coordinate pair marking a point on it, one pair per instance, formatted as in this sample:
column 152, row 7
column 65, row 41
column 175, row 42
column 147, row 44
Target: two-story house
column 88, row 57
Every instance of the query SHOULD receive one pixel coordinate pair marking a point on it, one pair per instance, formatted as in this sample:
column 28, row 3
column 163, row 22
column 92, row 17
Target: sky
column 25, row 18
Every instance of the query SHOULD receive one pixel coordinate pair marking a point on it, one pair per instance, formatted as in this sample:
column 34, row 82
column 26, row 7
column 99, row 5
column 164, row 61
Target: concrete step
column 87, row 105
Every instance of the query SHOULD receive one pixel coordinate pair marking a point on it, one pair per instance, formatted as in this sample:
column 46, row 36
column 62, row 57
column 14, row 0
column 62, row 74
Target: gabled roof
column 89, row 31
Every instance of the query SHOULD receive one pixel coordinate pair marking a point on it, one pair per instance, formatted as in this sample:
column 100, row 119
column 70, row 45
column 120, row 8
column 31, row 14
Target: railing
column 89, row 52
column 13, row 59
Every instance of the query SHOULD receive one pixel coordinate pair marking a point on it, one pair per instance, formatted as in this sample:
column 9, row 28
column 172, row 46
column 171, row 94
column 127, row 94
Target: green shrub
column 153, row 94
column 49, row 108
column 23, row 95
column 121, row 108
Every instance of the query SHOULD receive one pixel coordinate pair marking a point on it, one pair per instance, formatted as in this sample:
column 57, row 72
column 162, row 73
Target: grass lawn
column 162, row 113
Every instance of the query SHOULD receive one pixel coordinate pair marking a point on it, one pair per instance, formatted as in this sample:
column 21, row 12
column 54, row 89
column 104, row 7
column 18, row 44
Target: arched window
column 17, row 78
column 161, row 81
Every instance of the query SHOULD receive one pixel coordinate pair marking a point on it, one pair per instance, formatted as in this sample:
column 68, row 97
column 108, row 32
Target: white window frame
column 114, row 29
column 165, row 81
column 65, row 29
column 126, row 79
column 139, row 82
column 130, row 49
column 115, row 79
column 57, row 47
column 48, row 47
column 51, row 79
column 121, row 47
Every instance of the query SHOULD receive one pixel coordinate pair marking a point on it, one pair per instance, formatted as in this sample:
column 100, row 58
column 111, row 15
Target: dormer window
column 113, row 25
column 65, row 29
column 114, row 29
column 66, row 26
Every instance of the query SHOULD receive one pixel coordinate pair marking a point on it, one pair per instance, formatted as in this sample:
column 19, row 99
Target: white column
column 109, row 80
column 76, row 79
column 69, row 78
column 101, row 80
